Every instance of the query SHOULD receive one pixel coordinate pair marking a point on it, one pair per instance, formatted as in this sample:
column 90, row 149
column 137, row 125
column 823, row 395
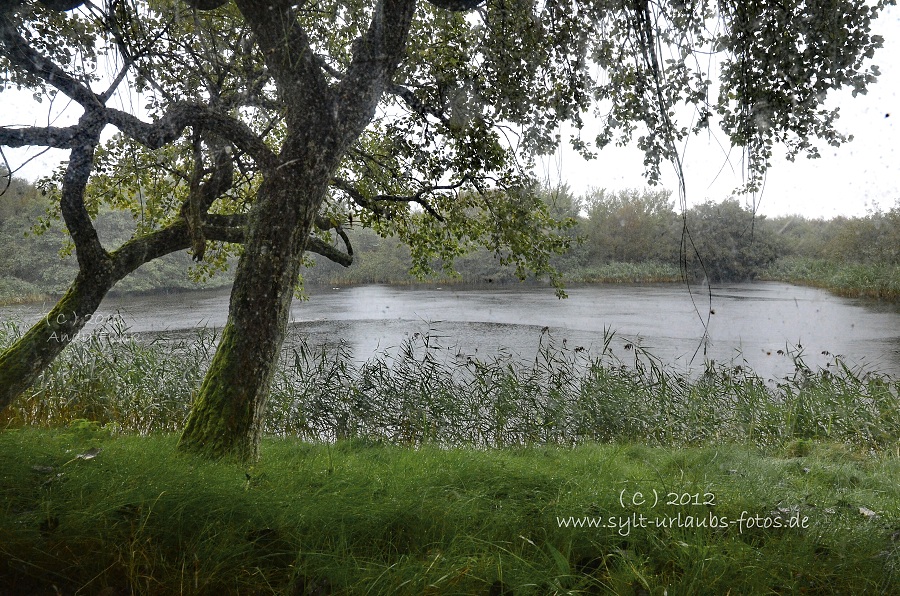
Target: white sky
column 848, row 180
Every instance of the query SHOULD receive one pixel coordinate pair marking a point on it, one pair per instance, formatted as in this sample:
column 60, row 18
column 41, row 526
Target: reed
column 427, row 392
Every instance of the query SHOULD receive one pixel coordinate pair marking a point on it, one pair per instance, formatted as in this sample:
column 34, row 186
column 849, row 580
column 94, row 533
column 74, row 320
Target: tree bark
column 23, row 362
column 26, row 359
column 322, row 121
column 228, row 414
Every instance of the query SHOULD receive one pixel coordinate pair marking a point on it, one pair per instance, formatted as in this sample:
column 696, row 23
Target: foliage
column 872, row 239
column 727, row 242
column 879, row 281
column 35, row 259
column 625, row 236
column 631, row 226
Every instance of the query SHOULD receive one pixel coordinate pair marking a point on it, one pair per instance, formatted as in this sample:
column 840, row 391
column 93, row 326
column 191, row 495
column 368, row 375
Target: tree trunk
column 322, row 121
column 227, row 415
column 23, row 362
column 26, row 359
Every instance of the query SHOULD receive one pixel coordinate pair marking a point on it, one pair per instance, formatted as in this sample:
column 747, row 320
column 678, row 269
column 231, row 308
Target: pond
column 752, row 324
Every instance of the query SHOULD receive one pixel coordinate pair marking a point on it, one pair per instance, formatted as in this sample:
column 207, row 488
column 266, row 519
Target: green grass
column 360, row 517
column 846, row 279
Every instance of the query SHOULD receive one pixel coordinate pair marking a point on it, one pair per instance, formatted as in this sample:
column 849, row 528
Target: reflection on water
column 751, row 322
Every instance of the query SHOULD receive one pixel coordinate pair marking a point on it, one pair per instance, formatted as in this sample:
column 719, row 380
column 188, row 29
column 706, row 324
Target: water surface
column 745, row 323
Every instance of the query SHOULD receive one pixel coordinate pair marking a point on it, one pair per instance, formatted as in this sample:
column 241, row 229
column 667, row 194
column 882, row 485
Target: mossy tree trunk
column 30, row 355
column 323, row 119
column 227, row 415
column 24, row 361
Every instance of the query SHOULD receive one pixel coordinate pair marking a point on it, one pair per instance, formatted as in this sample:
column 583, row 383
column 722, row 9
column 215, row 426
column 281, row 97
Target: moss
column 221, row 422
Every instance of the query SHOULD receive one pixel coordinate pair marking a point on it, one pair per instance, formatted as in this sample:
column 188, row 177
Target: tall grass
column 357, row 518
column 881, row 281
column 115, row 378
column 426, row 393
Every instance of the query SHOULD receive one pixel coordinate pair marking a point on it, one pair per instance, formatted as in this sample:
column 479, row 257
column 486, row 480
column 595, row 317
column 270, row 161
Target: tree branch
column 104, row 97
column 318, row 246
column 152, row 135
column 24, row 56
column 172, row 238
column 155, row 135
column 376, row 56
column 288, row 55
column 325, row 224
column 457, row 5
column 367, row 203
column 183, row 114
column 88, row 250
column 416, row 104
column 176, row 236
column 50, row 136
column 202, row 195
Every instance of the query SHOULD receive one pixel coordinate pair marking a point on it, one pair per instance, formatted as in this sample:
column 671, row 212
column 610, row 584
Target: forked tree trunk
column 322, row 121
column 227, row 415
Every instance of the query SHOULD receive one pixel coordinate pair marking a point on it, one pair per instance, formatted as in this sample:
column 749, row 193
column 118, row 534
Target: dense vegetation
column 620, row 236
column 427, row 393
column 637, row 236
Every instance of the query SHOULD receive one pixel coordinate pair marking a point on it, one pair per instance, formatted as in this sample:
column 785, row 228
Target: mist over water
column 747, row 324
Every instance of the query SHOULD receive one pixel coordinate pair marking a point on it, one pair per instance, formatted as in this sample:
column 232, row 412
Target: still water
column 747, row 323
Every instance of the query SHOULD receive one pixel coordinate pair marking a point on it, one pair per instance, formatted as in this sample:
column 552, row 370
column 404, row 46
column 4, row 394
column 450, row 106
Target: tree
column 276, row 123
column 631, row 226
column 732, row 243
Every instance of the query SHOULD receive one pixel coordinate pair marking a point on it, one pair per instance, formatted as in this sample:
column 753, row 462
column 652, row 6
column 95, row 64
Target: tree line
column 629, row 235
column 638, row 235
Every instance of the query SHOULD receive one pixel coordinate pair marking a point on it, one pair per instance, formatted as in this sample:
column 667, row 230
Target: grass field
column 87, row 512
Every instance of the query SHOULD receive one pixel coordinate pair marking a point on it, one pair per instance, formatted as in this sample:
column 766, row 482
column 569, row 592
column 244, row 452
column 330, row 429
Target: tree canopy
column 275, row 124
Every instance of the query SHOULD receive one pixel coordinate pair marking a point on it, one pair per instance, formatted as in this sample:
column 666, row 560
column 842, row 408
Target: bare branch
column 172, row 238
column 50, row 136
column 104, row 97
column 202, row 195
column 325, row 224
column 320, row 247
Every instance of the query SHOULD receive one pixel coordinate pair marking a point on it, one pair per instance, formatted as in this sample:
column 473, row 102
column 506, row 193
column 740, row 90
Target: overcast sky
column 848, row 180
